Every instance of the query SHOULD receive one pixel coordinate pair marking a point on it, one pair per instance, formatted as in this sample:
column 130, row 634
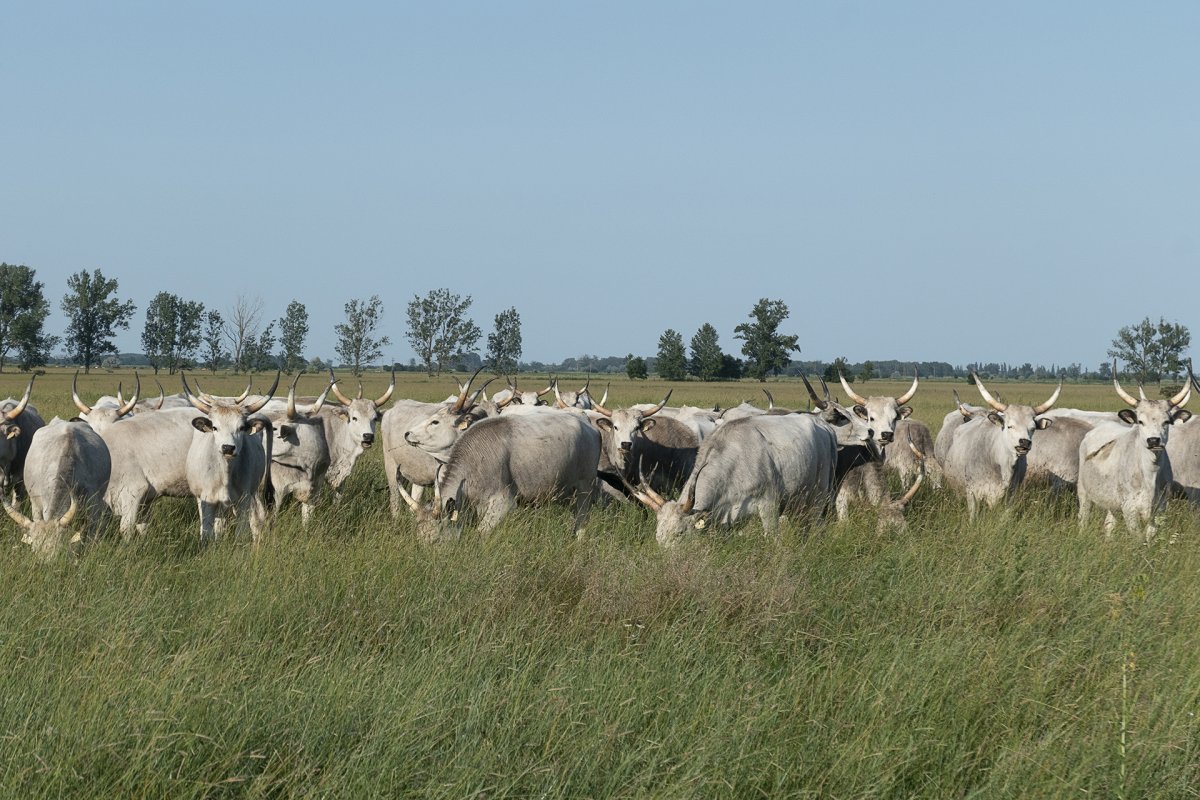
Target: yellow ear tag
column 454, row 516
column 700, row 523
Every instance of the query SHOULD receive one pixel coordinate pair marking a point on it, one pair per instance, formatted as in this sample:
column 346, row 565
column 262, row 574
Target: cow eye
column 435, row 422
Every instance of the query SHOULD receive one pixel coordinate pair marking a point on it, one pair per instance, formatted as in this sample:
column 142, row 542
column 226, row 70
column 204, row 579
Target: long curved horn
column 336, row 391
column 560, row 403
column 82, row 406
column 19, row 407
column 195, row 401
column 1182, row 396
column 120, row 395
column 595, row 406
column 408, row 498
column 987, row 398
column 291, row 400
column 1142, row 392
column 912, row 491
column 604, row 399
column 770, row 400
column 17, row 516
column 67, row 518
column 162, row 396
column 460, row 403
column 256, row 407
column 359, row 395
column 391, row 388
column 1124, row 395
column 644, row 485
column 825, row 390
column 1046, row 406
column 137, row 389
column 658, row 407
column 246, row 393
column 471, row 403
column 812, row 393
column 912, row 390
column 316, row 407
column 203, row 395
column 858, row 398
column 586, row 385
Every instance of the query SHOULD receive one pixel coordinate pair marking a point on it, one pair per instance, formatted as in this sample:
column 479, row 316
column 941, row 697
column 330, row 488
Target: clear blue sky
column 916, row 180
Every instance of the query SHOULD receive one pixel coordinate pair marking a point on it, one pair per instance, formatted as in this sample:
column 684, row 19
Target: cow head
column 286, row 423
column 1154, row 418
column 515, row 396
column 438, row 520
column 360, row 413
column 619, row 427
column 675, row 518
column 101, row 418
column 581, row 399
column 881, row 413
column 850, row 427
column 48, row 538
column 9, row 429
column 437, row 434
column 1017, row 422
column 227, row 424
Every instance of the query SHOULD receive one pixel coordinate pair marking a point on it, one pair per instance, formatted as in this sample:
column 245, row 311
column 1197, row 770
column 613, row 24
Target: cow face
column 881, row 413
column 618, row 432
column 1153, row 420
column 48, row 538
column 1017, row 425
column 227, row 428
column 437, row 434
column 361, row 416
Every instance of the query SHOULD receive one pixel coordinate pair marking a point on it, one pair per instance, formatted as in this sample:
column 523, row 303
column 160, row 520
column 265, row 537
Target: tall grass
column 1013, row 656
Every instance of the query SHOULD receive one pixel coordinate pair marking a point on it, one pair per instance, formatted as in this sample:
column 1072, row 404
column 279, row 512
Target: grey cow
column 350, row 429
column 19, row 421
column 66, row 470
column 299, row 450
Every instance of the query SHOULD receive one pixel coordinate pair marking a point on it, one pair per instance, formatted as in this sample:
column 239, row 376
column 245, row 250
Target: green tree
column 172, row 331
column 504, row 344
column 93, row 315
column 766, row 349
column 438, row 329
column 868, row 371
column 357, row 343
column 707, row 357
column 839, row 367
column 293, row 330
column 635, row 367
column 1151, row 350
column 23, row 311
column 212, row 339
column 671, row 364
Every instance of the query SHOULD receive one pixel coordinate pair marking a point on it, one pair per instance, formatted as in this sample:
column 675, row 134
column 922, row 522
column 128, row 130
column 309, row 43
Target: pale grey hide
column 867, row 485
column 104, row 413
column 952, row 422
column 66, row 471
column 986, row 459
column 19, row 421
column 1183, row 450
column 1054, row 457
column 760, row 465
column 882, row 413
column 350, row 430
column 906, row 455
column 502, row 460
column 1124, row 466
column 618, row 429
column 299, row 451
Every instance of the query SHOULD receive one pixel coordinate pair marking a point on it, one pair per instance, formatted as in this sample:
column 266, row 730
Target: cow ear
column 203, row 424
column 647, row 424
column 701, row 521
column 604, row 423
column 905, row 412
column 995, row 418
column 1182, row 415
column 1041, row 423
column 463, row 422
column 862, row 411
column 13, row 432
column 286, row 430
column 255, row 425
column 343, row 413
column 1128, row 416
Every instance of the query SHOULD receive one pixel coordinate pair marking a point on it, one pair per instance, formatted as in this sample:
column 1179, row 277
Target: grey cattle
column 665, row 452
column 758, row 465
column 961, row 414
column 405, row 463
column 103, row 414
column 740, row 411
column 1183, row 450
column 1054, row 456
column 228, row 462
column 986, row 459
column 19, row 421
column 881, row 413
column 502, row 460
column 512, row 394
column 1124, row 466
column 906, row 456
column 350, row 429
column 299, row 450
column 619, row 428
column 66, row 470
column 581, row 399
column 867, row 485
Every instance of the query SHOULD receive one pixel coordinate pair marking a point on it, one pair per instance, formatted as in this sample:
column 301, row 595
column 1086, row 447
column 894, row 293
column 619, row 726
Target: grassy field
column 1016, row 656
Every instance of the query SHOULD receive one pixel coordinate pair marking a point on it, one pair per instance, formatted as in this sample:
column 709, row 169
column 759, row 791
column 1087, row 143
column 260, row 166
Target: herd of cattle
column 243, row 456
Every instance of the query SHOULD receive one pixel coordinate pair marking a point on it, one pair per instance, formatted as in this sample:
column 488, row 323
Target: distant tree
column 1151, row 350
column 357, row 344
column 23, row 311
column 731, row 368
column 259, row 354
column 671, row 363
column 242, row 330
column 172, row 331
column 93, row 315
column 839, row 366
column 707, row 357
column 111, row 363
column 212, row 339
column 867, row 372
column 504, row 344
column 635, row 367
column 293, row 330
column 766, row 349
column 438, row 328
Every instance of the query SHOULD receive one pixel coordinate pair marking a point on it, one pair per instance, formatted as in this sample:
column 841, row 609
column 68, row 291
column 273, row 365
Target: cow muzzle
column 1154, row 443
column 369, row 439
column 1023, row 446
column 886, row 436
column 228, row 450
column 625, row 446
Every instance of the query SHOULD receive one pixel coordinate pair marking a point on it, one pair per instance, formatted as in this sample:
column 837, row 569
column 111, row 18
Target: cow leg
column 1085, row 509
column 1110, row 523
column 208, row 512
column 126, row 506
column 583, row 504
column 972, row 506
column 842, row 504
column 497, row 509
column 257, row 517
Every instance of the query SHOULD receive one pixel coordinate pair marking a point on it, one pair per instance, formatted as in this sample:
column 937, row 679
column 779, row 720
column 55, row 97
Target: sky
column 927, row 181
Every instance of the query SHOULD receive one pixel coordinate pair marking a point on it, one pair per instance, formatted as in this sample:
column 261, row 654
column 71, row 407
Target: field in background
column 1016, row 656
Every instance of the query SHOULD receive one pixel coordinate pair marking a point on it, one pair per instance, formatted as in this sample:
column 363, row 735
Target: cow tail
column 268, row 488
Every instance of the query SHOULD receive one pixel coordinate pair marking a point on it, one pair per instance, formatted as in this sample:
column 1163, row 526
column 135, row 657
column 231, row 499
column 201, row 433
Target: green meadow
column 1013, row 656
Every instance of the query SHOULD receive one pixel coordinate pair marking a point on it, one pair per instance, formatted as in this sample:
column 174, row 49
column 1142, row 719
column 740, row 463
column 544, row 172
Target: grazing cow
column 755, row 465
column 882, row 413
column 350, row 429
column 19, row 421
column 1124, row 466
column 500, row 460
column 67, row 468
column 228, row 463
column 299, row 450
column 405, row 463
column 867, row 485
column 906, row 456
column 986, row 459
column 104, row 414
